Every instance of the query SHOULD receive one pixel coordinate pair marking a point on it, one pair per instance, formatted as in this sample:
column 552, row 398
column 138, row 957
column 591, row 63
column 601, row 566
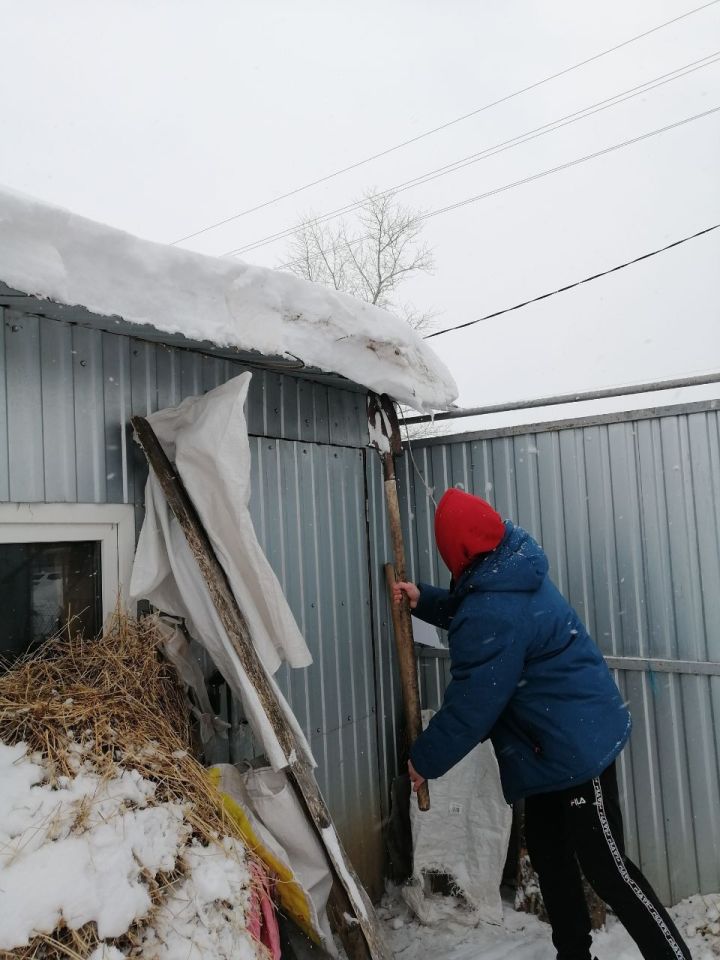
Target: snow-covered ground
column 90, row 848
column 524, row 937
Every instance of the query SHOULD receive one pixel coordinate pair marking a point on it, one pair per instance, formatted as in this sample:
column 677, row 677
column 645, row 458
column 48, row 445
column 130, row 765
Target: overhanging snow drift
column 49, row 252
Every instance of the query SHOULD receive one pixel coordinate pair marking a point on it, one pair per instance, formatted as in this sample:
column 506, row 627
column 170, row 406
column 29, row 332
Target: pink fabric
column 254, row 917
column 262, row 920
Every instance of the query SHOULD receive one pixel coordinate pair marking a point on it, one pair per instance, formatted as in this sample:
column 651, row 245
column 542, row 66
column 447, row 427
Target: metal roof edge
column 80, row 316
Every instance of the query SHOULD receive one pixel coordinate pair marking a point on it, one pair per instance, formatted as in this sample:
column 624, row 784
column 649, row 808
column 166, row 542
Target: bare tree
column 368, row 258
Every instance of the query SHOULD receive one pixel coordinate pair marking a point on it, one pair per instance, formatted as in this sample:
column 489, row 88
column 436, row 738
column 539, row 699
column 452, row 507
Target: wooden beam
column 407, row 666
column 385, row 436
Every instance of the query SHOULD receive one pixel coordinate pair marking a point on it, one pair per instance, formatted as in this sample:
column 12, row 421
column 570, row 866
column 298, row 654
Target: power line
column 570, row 286
column 570, row 163
column 492, row 151
column 538, row 176
column 444, row 126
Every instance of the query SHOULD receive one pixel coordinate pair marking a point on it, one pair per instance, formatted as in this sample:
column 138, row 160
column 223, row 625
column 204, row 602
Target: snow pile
column 523, row 937
column 202, row 915
column 49, row 252
column 91, row 849
column 77, row 852
column 699, row 917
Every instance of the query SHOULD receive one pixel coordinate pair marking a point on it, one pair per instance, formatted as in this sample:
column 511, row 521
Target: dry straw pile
column 116, row 693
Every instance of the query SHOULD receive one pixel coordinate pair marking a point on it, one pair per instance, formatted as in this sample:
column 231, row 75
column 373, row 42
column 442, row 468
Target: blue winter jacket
column 525, row 673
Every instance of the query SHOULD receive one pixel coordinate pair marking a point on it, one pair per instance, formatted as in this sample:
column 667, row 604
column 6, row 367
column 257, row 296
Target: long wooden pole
column 407, row 667
column 348, row 892
column 402, row 625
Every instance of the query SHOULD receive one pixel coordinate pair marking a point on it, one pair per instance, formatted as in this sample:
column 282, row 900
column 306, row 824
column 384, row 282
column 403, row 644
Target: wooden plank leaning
column 350, row 909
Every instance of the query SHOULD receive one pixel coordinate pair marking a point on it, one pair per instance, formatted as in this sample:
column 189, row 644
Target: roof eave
column 80, row 316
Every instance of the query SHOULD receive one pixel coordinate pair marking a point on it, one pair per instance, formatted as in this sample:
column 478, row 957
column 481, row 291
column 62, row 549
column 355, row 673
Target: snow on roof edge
column 49, row 252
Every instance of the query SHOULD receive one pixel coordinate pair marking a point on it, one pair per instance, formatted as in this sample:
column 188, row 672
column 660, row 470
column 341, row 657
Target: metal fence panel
column 629, row 514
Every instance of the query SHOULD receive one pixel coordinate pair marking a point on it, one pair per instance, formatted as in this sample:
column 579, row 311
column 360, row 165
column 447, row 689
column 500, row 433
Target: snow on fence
column 627, row 507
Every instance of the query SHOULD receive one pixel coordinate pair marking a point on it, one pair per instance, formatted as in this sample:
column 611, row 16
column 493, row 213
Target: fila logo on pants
column 578, row 801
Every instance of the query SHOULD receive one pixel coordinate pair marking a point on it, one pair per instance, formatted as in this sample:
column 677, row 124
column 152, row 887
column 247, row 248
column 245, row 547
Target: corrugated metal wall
column 318, row 545
column 391, row 746
column 72, row 391
column 68, row 395
column 629, row 514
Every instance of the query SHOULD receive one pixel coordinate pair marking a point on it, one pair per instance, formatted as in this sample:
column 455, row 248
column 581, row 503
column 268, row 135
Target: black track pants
column 585, row 822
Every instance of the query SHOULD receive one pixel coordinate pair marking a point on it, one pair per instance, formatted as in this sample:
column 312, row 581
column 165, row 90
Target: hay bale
column 98, row 733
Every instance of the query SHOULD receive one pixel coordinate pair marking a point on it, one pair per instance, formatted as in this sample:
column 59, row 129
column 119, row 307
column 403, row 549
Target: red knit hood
column 465, row 526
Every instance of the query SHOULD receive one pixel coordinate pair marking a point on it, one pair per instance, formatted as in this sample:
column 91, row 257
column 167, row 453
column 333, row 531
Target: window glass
column 43, row 585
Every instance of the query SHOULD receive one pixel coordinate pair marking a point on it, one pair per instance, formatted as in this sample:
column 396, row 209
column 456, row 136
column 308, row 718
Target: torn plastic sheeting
column 207, row 438
column 177, row 650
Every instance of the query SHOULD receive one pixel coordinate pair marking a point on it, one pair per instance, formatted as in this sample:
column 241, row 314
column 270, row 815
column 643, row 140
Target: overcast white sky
column 162, row 116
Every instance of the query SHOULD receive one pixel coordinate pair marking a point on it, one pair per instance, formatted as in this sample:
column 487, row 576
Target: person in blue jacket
column 526, row 674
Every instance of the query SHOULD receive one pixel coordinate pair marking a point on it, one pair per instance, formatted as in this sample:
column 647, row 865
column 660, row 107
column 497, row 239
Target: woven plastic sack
column 463, row 837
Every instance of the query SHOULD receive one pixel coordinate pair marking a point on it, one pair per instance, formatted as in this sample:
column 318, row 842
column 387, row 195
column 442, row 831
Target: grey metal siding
column 308, row 508
column 67, row 396
column 629, row 515
column 69, row 392
column 387, row 690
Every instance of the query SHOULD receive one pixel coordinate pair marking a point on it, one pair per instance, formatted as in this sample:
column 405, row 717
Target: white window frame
column 112, row 525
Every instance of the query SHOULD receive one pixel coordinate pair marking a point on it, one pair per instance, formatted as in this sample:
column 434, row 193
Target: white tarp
column 207, row 439
column 464, row 835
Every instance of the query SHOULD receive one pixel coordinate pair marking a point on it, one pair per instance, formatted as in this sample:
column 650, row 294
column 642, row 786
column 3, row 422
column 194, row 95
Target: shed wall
column 70, row 392
column 629, row 515
column 67, row 396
